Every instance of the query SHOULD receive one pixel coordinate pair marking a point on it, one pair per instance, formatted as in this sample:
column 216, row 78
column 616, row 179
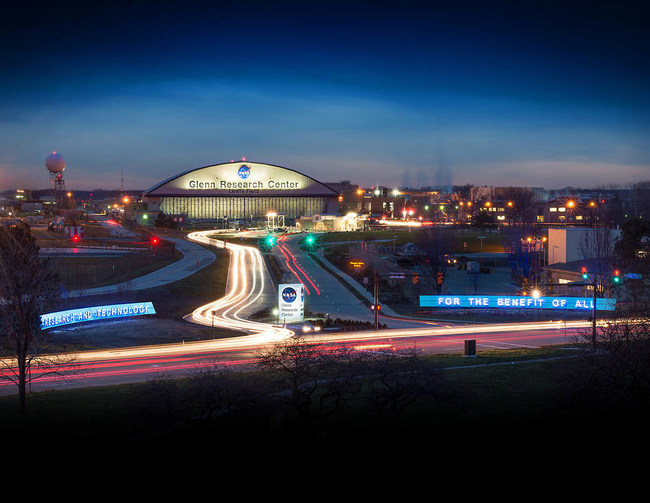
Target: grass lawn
column 463, row 241
column 173, row 300
column 493, row 391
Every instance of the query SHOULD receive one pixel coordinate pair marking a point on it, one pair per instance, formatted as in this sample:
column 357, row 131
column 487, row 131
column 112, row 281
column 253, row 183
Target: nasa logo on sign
column 244, row 172
column 289, row 294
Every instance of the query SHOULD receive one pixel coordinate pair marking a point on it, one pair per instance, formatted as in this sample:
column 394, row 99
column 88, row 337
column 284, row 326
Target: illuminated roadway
column 247, row 287
column 325, row 293
column 138, row 364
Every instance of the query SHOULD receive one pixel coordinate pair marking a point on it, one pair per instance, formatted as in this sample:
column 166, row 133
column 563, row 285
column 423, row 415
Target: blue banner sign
column 516, row 302
column 95, row 313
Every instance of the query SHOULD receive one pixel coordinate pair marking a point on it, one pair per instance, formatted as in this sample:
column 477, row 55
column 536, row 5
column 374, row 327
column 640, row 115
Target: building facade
column 243, row 190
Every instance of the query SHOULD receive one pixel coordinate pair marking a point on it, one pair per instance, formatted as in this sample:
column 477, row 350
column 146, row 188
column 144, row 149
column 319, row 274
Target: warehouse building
column 241, row 190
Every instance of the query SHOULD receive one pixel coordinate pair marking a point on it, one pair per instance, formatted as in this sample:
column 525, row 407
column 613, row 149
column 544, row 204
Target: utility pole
column 376, row 300
column 593, row 326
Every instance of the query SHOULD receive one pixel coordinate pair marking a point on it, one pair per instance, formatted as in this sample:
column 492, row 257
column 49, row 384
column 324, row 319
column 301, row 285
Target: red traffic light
column 75, row 238
column 155, row 240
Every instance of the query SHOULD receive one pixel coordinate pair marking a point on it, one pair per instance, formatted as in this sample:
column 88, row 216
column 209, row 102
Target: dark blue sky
column 392, row 93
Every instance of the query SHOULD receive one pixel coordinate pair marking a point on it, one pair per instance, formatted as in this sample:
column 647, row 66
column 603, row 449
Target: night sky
column 397, row 93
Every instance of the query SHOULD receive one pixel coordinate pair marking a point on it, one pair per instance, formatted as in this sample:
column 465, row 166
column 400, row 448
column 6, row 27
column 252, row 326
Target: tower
column 55, row 164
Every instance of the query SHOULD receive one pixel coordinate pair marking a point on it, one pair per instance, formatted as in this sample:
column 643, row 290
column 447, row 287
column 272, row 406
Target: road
column 115, row 366
column 326, row 294
column 248, row 289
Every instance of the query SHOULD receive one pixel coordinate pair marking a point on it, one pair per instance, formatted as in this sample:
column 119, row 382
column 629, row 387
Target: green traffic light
column 310, row 239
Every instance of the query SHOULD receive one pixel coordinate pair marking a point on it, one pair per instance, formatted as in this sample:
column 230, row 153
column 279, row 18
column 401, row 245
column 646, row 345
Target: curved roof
column 241, row 178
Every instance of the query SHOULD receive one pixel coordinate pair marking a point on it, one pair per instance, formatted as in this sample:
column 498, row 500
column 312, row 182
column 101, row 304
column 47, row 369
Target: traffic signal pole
column 593, row 323
column 376, row 300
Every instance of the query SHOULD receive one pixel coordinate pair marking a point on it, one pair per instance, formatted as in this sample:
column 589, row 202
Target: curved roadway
column 247, row 287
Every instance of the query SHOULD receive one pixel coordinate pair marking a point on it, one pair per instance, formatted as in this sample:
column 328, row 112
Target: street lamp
column 481, row 256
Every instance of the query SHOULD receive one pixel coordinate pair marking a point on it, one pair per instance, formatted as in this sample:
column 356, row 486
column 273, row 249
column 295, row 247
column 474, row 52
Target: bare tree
column 216, row 394
column 399, row 379
column 28, row 286
column 525, row 259
column 435, row 245
column 597, row 248
column 518, row 203
column 617, row 375
column 315, row 380
column 210, row 397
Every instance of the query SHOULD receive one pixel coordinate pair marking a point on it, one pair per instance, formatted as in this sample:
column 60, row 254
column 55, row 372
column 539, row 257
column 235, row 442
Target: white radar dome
column 55, row 163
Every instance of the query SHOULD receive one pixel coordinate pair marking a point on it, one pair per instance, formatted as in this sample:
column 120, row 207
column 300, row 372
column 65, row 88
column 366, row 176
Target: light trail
column 448, row 331
column 245, row 288
column 246, row 283
column 125, row 364
column 290, row 256
column 286, row 261
column 254, row 342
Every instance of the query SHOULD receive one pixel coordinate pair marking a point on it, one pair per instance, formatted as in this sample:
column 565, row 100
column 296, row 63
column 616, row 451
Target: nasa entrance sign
column 516, row 302
column 291, row 302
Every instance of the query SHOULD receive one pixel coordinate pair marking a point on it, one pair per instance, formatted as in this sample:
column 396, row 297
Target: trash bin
column 470, row 347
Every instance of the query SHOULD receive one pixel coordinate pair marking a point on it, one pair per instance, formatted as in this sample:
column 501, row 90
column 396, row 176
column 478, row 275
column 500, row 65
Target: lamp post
column 481, row 256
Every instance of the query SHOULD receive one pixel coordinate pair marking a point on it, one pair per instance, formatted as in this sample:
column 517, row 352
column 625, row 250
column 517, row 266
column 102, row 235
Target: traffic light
column 616, row 278
column 268, row 242
column 76, row 238
column 439, row 278
column 585, row 274
column 309, row 242
column 155, row 240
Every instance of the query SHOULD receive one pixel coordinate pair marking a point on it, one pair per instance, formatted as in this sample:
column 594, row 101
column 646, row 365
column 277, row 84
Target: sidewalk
column 195, row 257
column 385, row 310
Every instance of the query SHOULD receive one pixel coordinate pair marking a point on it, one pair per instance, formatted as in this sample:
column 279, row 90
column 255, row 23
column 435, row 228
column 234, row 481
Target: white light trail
column 245, row 287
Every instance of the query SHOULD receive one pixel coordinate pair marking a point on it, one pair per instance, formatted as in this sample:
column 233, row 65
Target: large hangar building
column 241, row 191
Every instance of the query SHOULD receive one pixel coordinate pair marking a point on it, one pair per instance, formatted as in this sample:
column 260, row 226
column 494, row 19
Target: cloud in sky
column 383, row 97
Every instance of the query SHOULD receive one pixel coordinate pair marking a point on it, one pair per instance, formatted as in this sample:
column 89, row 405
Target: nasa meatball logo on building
column 244, row 172
column 291, row 303
column 235, row 189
